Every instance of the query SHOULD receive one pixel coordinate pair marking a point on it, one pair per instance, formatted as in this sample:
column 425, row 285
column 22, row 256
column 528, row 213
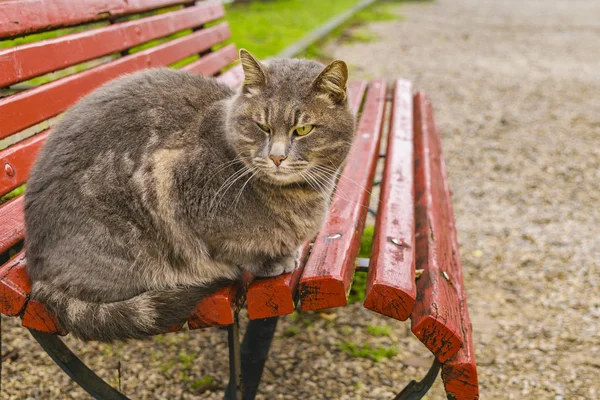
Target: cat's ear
column 332, row 81
column 254, row 73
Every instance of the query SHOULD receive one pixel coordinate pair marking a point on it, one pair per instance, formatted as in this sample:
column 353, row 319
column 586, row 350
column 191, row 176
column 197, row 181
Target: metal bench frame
column 414, row 271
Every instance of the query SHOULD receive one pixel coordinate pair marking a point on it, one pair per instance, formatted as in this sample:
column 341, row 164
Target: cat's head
column 290, row 121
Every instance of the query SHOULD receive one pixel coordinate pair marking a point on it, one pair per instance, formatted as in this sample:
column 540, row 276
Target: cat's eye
column 303, row 130
column 264, row 128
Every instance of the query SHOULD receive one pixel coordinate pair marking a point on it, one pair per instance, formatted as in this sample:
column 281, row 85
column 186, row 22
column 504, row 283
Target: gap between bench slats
column 329, row 270
column 30, row 60
column 24, row 17
column 23, row 110
column 391, row 289
column 436, row 316
column 276, row 296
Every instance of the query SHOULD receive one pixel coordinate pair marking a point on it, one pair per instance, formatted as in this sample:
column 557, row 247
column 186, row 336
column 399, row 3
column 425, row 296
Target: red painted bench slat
column 276, row 296
column 12, row 223
column 37, row 317
column 27, row 61
column 460, row 371
column 391, row 289
column 214, row 62
column 220, row 307
column 14, row 286
column 22, row 110
column 17, row 160
column 24, row 17
column 436, row 316
column 272, row 297
column 328, row 272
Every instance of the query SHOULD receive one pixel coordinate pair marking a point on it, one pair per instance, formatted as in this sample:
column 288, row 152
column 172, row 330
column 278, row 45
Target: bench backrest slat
column 23, row 110
column 24, row 17
column 18, row 160
column 25, row 62
column 214, row 62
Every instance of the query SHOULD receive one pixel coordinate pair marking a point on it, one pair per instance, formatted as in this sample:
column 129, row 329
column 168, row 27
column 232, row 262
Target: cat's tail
column 147, row 314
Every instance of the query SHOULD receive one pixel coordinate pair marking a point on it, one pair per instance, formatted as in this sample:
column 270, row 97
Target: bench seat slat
column 25, row 109
column 18, row 17
column 328, row 273
column 436, row 316
column 214, row 62
column 14, row 286
column 12, row 223
column 272, row 297
column 276, row 296
column 459, row 373
column 27, row 61
column 391, row 289
column 37, row 317
column 221, row 307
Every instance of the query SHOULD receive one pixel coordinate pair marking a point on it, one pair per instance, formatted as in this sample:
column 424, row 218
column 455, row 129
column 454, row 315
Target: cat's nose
column 277, row 160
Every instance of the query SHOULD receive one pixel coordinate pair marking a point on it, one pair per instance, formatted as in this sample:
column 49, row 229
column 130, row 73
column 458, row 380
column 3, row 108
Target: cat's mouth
column 286, row 173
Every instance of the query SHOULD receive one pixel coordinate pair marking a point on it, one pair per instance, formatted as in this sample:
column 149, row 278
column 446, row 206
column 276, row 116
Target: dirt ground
column 516, row 89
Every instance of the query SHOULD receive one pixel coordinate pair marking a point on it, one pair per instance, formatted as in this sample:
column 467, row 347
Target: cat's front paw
column 276, row 267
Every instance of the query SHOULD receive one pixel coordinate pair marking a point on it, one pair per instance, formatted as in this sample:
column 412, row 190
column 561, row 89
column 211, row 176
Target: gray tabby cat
column 157, row 188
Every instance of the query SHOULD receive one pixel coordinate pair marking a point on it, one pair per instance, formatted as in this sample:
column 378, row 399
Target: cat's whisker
column 229, row 182
column 237, row 198
column 329, row 170
column 339, row 192
column 222, row 167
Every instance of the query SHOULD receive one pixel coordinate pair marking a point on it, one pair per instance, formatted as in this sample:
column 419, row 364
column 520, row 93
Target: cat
column 161, row 186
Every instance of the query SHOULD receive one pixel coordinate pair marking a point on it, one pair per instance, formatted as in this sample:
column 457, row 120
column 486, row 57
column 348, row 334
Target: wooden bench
column 414, row 271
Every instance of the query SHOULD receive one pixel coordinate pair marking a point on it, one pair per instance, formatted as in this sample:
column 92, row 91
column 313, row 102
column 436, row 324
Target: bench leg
column 234, row 389
column 416, row 390
column 75, row 368
column 254, row 352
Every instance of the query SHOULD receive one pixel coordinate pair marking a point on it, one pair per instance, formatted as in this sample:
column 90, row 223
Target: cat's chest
column 280, row 228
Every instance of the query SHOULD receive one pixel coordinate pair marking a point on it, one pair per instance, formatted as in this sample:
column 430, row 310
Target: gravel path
column 516, row 86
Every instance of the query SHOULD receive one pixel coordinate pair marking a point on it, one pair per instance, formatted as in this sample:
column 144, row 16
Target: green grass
column 359, row 282
column 267, row 28
column 364, row 350
column 379, row 330
column 352, row 31
column 291, row 331
column 203, row 382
